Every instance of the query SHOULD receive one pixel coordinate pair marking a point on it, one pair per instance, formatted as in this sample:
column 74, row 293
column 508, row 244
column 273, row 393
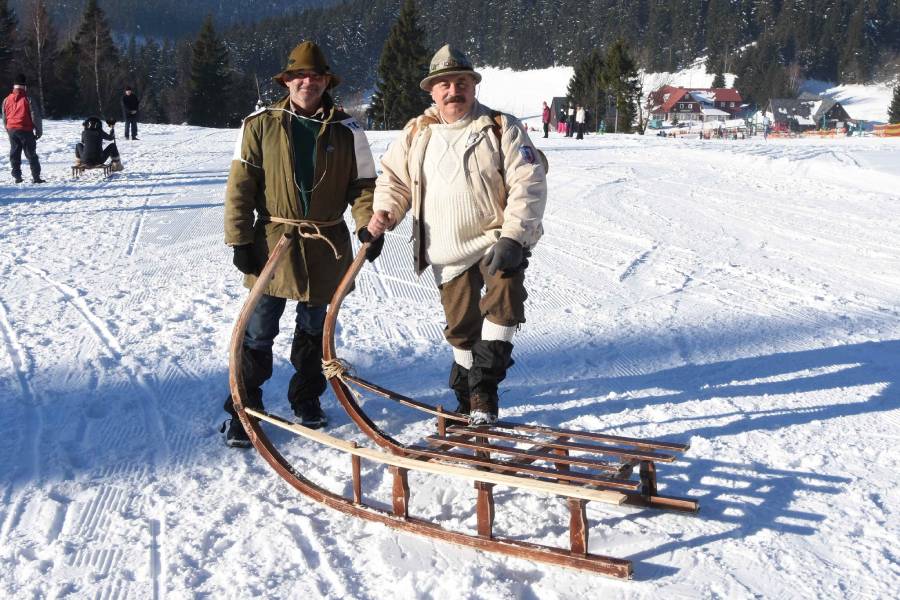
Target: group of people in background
column 23, row 122
column 569, row 123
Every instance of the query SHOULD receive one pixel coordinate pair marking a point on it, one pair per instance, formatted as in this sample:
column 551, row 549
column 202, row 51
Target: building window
column 731, row 104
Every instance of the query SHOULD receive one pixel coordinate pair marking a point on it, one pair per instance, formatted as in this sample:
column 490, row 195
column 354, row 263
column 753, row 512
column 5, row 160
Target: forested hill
column 768, row 43
column 169, row 19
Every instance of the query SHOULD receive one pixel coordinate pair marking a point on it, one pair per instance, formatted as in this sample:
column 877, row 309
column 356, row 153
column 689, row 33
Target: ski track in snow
column 740, row 296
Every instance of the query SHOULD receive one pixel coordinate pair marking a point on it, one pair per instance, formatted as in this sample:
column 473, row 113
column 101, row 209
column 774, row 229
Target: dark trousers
column 546, row 129
column 131, row 126
column 19, row 141
column 465, row 308
column 110, row 151
column 571, row 129
column 308, row 381
column 580, row 128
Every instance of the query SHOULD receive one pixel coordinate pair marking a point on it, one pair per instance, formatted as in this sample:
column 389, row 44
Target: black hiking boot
column 459, row 383
column 18, row 180
column 235, row 436
column 490, row 361
column 311, row 415
column 38, row 180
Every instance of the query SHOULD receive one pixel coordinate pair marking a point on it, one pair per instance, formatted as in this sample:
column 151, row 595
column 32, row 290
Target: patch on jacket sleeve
column 528, row 154
column 365, row 163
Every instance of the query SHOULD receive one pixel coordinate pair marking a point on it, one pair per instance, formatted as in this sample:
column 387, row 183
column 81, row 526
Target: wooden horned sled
column 577, row 466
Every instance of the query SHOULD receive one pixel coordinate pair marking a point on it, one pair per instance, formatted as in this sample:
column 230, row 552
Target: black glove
column 244, row 260
column 375, row 246
column 506, row 255
column 37, row 136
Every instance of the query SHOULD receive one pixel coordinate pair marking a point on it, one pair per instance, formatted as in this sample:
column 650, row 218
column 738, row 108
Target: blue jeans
column 263, row 325
column 308, row 381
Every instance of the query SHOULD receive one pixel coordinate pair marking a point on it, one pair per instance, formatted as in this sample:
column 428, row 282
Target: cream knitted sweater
column 455, row 236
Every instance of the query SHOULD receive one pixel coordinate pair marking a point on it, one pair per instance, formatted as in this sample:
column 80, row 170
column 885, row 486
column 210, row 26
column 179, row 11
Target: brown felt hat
column 307, row 56
column 448, row 61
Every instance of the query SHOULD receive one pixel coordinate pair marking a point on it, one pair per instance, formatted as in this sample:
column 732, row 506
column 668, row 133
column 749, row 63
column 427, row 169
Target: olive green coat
column 262, row 184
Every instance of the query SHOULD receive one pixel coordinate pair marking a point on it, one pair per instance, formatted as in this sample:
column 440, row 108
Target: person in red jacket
column 545, row 118
column 23, row 123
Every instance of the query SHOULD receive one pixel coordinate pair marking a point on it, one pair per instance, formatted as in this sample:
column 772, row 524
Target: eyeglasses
column 311, row 75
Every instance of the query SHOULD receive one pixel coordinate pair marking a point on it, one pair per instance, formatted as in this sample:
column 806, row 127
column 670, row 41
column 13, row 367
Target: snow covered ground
column 740, row 296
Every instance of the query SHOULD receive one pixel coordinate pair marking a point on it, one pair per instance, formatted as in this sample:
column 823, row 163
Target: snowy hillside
column 740, row 296
column 521, row 92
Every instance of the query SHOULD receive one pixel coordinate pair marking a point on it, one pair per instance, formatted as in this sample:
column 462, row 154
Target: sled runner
column 575, row 465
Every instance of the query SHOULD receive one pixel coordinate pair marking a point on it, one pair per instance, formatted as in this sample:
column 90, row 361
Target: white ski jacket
column 506, row 179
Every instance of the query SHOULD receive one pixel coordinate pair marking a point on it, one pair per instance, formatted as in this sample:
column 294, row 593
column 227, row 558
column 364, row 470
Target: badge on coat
column 528, row 155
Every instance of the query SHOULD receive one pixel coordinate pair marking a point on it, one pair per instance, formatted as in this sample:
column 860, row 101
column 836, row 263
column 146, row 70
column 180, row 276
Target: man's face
column 306, row 88
column 454, row 95
column 127, row 92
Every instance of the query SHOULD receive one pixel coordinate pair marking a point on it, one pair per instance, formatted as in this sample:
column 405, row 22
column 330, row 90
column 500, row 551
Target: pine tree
column 98, row 62
column 402, row 66
column 588, row 88
column 7, row 45
column 622, row 80
column 718, row 81
column 210, row 81
column 894, row 110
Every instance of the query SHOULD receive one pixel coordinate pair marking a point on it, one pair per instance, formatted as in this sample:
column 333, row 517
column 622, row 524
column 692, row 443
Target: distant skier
column 130, row 103
column 89, row 152
column 570, row 121
column 545, row 119
column 24, row 125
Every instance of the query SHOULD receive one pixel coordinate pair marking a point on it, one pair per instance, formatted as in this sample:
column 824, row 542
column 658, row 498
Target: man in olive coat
column 297, row 164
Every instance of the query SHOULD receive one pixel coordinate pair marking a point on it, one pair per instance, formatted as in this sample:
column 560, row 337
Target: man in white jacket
column 477, row 188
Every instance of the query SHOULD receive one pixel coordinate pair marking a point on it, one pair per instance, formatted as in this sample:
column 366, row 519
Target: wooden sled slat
column 574, row 446
column 523, row 453
column 606, row 496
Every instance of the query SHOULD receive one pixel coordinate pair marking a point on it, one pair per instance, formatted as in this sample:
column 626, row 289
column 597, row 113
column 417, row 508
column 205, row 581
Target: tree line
column 191, row 81
column 769, row 44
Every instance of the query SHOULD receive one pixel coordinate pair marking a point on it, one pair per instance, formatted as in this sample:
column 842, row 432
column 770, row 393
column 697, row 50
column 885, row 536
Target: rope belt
column 315, row 225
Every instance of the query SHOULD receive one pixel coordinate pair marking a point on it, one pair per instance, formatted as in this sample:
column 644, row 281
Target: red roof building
column 670, row 103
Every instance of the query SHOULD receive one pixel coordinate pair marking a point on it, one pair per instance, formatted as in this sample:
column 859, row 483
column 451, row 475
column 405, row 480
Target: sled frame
column 464, row 452
column 78, row 170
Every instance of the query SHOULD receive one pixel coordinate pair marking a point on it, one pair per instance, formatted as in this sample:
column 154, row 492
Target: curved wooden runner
column 440, row 454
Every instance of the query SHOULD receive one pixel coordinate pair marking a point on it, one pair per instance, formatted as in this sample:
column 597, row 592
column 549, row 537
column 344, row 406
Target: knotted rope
column 338, row 367
column 316, row 235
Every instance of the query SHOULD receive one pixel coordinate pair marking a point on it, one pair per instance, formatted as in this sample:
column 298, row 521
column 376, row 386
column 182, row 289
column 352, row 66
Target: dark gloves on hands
column 506, row 255
column 244, row 260
column 375, row 246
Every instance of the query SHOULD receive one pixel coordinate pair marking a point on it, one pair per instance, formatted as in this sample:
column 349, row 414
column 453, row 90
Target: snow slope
column 740, row 296
column 521, row 92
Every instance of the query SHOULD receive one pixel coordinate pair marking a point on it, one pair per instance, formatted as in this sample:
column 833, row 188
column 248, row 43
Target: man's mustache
column 456, row 98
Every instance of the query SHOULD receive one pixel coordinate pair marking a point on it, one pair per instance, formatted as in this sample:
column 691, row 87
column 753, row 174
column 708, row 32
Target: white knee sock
column 492, row 331
column 463, row 358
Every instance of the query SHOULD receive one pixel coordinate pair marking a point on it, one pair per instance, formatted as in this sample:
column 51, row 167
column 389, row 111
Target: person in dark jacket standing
column 90, row 151
column 24, row 126
column 300, row 163
column 130, row 103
